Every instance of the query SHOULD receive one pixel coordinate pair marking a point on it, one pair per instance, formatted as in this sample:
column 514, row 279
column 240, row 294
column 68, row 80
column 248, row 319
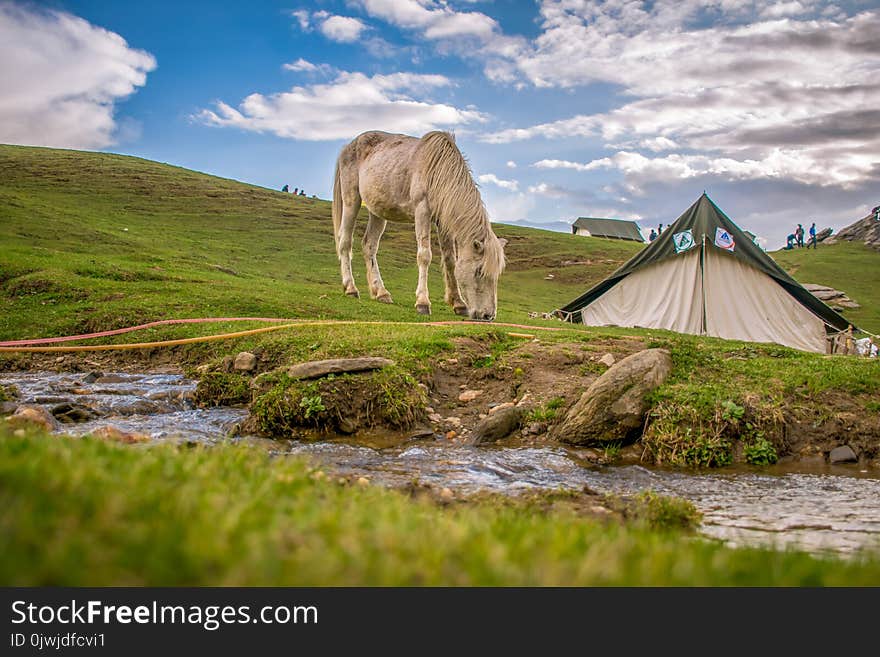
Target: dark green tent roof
column 620, row 229
column 702, row 218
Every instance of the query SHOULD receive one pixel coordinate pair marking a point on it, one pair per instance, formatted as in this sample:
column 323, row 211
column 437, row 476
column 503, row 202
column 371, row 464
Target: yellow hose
column 237, row 334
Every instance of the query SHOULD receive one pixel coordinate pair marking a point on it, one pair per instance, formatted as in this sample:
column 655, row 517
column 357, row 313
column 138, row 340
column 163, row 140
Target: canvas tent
column 618, row 229
column 704, row 276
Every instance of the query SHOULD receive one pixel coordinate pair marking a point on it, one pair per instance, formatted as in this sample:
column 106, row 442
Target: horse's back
column 380, row 164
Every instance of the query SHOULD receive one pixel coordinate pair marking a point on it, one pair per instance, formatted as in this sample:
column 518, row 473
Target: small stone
column 7, row 408
column 60, row 359
column 600, row 510
column 245, row 361
column 363, row 482
column 91, row 377
column 450, row 434
column 462, row 386
column 348, row 425
column 454, row 421
column 500, row 407
column 435, row 417
column 842, row 454
column 446, row 494
column 115, row 435
column 429, row 409
column 33, row 416
column 526, row 399
column 452, row 361
column 607, row 360
column 469, row 395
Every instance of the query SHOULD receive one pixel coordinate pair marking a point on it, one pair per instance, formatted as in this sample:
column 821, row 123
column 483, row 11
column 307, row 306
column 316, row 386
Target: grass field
column 95, row 241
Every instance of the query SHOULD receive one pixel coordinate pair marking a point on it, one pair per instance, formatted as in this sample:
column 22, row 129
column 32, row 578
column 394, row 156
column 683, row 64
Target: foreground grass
column 84, row 512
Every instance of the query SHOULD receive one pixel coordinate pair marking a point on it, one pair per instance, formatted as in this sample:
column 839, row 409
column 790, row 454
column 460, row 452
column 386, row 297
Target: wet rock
column 34, row 416
column 70, row 413
column 115, row 435
column 421, row 434
column 91, row 377
column 469, row 395
column 112, row 378
column 535, row 429
column 450, row 434
column 139, row 407
column 453, row 420
column 49, row 399
column 348, row 425
column 7, row 407
column 607, row 360
column 435, row 417
column 497, row 426
column 318, row 368
column 245, row 362
column 614, row 406
column 842, row 454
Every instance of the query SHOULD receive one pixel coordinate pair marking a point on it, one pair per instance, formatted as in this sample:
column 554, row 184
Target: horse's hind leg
column 372, row 235
column 452, row 296
column 350, row 207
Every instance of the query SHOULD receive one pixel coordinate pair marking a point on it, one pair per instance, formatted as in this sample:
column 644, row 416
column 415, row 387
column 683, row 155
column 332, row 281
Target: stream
column 832, row 509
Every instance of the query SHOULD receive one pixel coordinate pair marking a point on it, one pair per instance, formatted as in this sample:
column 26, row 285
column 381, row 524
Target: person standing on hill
column 813, row 242
column 799, row 235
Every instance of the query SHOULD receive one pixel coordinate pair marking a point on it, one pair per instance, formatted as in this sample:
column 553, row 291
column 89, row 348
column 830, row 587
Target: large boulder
column 33, row 416
column 613, row 408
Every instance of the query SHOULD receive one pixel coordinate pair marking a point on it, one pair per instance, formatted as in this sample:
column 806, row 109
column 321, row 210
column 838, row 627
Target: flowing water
column 832, row 509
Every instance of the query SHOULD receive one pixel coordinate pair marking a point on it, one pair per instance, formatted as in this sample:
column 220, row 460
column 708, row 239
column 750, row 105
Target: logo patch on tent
column 683, row 241
column 723, row 239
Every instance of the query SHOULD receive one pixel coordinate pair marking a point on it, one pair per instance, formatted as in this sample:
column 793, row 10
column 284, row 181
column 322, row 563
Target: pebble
column 469, row 395
column 450, row 435
column 435, row 417
column 607, row 360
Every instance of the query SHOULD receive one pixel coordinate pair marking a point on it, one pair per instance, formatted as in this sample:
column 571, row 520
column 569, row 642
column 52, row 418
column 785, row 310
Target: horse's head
column 478, row 264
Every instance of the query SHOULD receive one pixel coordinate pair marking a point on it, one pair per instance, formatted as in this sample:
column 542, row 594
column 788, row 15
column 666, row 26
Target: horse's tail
column 336, row 207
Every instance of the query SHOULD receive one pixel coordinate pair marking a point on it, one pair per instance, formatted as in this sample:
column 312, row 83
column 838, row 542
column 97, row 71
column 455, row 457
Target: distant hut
column 615, row 229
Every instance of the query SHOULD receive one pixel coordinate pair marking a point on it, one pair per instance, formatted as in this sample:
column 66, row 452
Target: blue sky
column 564, row 108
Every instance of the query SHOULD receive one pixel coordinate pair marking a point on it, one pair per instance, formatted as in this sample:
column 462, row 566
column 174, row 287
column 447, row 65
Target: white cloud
column 511, row 164
column 342, row 29
column 492, row 179
column 791, row 96
column 349, row 105
column 61, row 78
column 440, row 22
column 302, row 17
column 300, row 65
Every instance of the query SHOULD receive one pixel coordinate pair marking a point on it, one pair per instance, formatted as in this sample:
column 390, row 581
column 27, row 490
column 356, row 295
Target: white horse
column 403, row 178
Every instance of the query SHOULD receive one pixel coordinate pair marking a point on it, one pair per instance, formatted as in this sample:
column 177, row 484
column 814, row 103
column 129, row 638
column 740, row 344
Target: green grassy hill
column 93, row 241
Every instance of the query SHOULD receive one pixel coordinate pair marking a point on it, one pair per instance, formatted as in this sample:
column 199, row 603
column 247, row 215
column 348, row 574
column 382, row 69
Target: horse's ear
column 502, row 242
column 478, row 246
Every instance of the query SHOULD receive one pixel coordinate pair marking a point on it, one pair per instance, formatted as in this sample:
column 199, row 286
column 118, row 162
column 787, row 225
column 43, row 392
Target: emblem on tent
column 723, row 239
column 683, row 241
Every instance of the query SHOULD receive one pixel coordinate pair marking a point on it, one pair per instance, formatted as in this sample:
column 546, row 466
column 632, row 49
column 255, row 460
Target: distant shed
column 617, row 229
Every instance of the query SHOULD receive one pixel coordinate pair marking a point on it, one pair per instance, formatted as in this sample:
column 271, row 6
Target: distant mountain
column 555, row 226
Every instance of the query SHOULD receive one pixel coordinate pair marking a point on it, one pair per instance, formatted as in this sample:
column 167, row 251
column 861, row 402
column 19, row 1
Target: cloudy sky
column 564, row 108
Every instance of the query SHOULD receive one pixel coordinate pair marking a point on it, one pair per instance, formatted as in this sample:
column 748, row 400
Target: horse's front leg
column 452, row 296
column 372, row 235
column 423, row 257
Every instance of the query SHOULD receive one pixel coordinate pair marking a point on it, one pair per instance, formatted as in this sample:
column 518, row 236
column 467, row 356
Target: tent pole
column 703, row 328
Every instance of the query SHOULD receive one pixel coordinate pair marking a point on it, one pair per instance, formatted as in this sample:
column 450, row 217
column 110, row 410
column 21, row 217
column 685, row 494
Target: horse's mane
column 454, row 198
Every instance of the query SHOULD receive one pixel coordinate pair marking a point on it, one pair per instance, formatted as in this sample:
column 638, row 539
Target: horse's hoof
column 423, row 309
column 385, row 298
column 355, row 294
column 461, row 310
